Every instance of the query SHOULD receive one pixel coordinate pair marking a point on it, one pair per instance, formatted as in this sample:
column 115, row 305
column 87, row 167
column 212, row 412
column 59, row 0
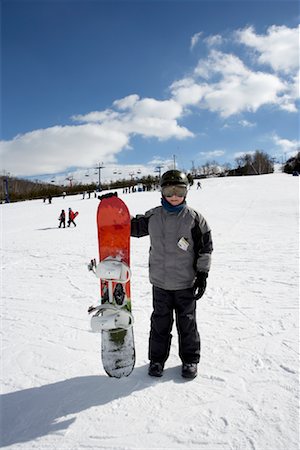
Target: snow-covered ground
column 55, row 392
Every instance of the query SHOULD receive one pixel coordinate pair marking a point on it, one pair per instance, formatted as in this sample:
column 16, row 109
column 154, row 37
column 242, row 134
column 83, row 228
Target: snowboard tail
column 118, row 356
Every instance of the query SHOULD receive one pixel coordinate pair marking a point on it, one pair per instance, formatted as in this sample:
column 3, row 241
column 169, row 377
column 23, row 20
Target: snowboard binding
column 111, row 314
column 108, row 318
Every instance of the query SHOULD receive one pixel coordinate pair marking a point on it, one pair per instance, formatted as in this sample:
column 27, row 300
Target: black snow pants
column 184, row 305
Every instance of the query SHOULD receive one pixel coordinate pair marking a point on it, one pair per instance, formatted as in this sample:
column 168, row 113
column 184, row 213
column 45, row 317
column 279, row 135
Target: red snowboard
column 113, row 221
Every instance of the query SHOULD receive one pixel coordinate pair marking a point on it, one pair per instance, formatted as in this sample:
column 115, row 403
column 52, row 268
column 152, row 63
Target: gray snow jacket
column 180, row 246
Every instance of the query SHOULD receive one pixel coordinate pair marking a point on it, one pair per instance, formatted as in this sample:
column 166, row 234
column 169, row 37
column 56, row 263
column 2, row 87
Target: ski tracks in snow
column 249, row 318
column 56, row 394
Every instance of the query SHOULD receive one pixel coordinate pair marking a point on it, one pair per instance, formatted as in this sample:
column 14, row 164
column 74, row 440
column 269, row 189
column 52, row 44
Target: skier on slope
column 179, row 262
column 62, row 219
column 72, row 216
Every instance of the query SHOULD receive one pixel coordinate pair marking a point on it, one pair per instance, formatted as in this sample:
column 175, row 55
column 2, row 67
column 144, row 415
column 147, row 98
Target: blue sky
column 132, row 83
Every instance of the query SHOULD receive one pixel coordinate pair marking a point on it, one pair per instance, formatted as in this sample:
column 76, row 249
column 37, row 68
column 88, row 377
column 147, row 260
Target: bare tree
column 254, row 164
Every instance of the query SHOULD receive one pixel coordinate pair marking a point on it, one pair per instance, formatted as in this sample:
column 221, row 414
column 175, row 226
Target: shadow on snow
column 35, row 412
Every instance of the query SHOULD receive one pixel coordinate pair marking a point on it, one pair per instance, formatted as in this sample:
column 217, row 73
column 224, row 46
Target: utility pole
column 5, row 182
column 99, row 167
column 193, row 169
column 174, row 162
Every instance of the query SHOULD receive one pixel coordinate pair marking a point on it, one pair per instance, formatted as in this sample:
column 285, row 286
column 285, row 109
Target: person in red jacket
column 72, row 216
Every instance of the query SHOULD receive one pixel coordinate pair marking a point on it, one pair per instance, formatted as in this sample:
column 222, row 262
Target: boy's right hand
column 200, row 285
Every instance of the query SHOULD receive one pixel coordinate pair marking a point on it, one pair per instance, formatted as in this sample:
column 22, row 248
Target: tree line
column 256, row 163
column 292, row 165
column 15, row 189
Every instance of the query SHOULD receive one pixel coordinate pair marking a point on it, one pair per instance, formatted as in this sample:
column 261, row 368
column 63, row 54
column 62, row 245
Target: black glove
column 199, row 285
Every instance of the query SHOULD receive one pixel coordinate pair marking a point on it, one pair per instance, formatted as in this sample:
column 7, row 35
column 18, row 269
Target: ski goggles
column 178, row 190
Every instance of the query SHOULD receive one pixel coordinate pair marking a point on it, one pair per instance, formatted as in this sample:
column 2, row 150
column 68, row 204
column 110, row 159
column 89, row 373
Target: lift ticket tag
column 183, row 244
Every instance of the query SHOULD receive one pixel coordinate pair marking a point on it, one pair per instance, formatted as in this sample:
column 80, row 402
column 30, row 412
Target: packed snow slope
column 55, row 392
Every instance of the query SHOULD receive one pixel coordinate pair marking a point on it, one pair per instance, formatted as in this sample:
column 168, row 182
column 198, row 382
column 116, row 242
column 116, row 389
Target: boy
column 179, row 262
column 62, row 219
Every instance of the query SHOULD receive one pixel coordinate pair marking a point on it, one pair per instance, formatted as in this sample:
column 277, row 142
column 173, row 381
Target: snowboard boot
column 155, row 369
column 189, row 370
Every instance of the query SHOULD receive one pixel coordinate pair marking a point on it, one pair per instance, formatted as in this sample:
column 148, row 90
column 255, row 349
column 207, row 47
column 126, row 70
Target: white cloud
column 210, row 41
column 126, row 102
column 241, row 154
column 164, row 163
column 292, row 94
column 156, row 127
column 149, row 107
column 229, row 87
column 187, row 92
column 214, row 40
column 55, row 149
column 237, row 93
column 102, row 136
column 246, row 124
column 147, row 117
column 287, row 146
column 194, row 40
column 278, row 48
column 96, row 116
column 225, row 64
column 221, row 83
column 213, row 153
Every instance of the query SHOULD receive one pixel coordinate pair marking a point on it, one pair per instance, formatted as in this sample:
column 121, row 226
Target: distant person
column 199, row 185
column 179, row 263
column 72, row 216
column 50, row 199
column 62, row 219
column 64, row 194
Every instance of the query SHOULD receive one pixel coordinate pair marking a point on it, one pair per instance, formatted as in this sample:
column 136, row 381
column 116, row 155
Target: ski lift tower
column 158, row 169
column 70, row 180
column 99, row 167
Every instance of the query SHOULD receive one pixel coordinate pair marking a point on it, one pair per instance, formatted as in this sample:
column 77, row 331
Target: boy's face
column 175, row 200
column 174, row 194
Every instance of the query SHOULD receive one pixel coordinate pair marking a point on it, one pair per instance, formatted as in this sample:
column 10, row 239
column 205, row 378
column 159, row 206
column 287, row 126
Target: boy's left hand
column 199, row 285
